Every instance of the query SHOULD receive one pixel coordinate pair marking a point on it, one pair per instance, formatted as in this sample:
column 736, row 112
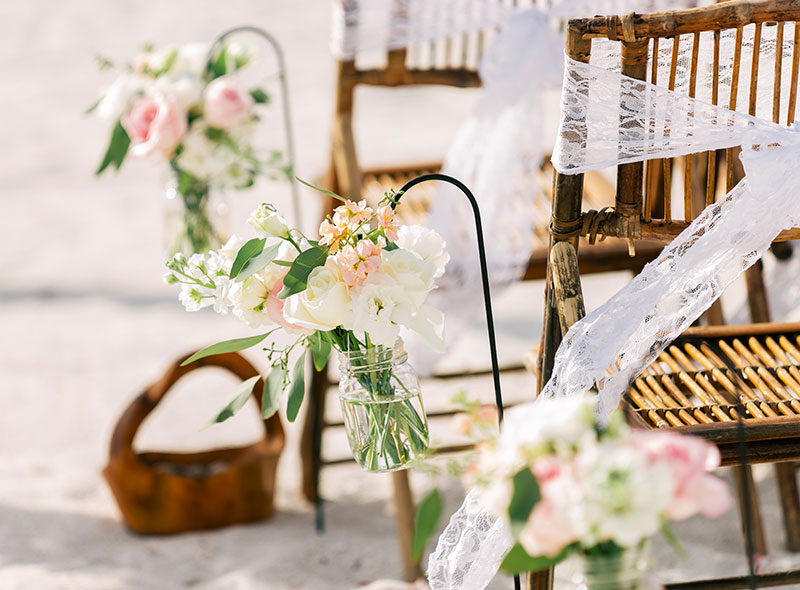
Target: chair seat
column 696, row 385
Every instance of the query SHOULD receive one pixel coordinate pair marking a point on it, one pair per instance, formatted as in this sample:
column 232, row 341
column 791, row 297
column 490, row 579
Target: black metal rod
column 487, row 297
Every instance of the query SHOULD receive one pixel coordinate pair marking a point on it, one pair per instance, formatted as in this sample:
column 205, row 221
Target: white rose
column 267, row 222
column 410, row 271
column 425, row 243
column 117, row 97
column 324, row 303
column 188, row 89
column 190, row 60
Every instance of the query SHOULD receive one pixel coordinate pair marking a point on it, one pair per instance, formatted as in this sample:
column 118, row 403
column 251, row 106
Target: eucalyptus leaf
column 234, row 345
column 250, row 249
column 117, row 148
column 296, row 389
column 273, row 387
column 259, row 96
column 320, row 349
column 240, row 397
column 525, row 496
column 517, row 560
column 256, row 263
column 426, row 518
column 295, row 279
column 322, row 190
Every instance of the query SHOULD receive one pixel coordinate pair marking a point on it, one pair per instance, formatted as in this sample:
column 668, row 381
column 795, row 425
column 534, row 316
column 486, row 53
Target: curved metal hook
column 287, row 118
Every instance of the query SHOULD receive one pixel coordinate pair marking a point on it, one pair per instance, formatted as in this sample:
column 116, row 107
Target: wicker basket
column 164, row 493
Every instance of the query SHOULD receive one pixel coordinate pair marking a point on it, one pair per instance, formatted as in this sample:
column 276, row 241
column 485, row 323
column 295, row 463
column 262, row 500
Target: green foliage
column 517, row 560
column 219, row 65
column 426, row 518
column 259, row 96
column 296, row 389
column 240, row 397
column 672, row 539
column 322, row 190
column 295, row 279
column 320, row 349
column 117, row 148
column 256, row 263
column 234, row 345
column 525, row 496
column 273, row 387
column 250, row 249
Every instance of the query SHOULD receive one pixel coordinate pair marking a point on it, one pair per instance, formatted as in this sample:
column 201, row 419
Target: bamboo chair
column 450, row 62
column 692, row 387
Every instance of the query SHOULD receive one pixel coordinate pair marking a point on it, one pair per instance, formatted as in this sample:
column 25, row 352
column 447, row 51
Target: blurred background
column 87, row 322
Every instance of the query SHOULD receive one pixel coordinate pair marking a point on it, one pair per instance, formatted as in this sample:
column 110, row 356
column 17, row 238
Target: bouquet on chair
column 351, row 290
column 569, row 485
column 193, row 111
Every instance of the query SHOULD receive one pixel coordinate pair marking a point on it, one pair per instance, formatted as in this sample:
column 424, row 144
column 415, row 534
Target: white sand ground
column 86, row 322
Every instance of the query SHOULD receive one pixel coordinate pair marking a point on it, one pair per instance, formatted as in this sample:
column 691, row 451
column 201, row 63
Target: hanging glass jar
column 196, row 216
column 382, row 407
column 626, row 570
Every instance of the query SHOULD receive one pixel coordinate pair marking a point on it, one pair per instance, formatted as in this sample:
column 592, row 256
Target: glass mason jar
column 382, row 407
column 628, row 570
column 196, row 217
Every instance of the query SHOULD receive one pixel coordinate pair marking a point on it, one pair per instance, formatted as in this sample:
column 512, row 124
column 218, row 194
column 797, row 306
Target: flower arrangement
column 570, row 485
column 193, row 111
column 351, row 290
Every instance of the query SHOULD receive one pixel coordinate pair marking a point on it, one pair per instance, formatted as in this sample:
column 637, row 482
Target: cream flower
column 425, row 243
column 268, row 222
column 379, row 306
column 410, row 271
column 324, row 303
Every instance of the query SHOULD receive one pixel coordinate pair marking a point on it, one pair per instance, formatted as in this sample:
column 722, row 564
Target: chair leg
column 311, row 438
column 542, row 580
column 786, row 475
column 759, row 542
column 404, row 521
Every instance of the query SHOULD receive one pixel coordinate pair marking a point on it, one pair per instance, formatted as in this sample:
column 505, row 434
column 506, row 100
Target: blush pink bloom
column 351, row 214
column 155, row 124
column 462, row 423
column 547, row 532
column 487, row 414
column 357, row 263
column 274, row 307
column 331, row 235
column 387, row 223
column 689, row 459
column 225, row 103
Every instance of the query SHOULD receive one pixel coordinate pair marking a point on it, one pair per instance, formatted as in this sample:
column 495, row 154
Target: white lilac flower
column 204, row 280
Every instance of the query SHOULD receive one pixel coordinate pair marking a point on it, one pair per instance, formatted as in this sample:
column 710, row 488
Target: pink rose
column 689, row 459
column 155, row 124
column 225, row 103
column 547, row 530
column 275, row 307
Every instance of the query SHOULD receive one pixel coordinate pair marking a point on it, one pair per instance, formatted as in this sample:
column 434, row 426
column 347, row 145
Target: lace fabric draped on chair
column 607, row 119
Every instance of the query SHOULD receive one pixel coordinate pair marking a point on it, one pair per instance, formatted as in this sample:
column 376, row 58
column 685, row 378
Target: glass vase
column 626, row 570
column 197, row 217
column 382, row 407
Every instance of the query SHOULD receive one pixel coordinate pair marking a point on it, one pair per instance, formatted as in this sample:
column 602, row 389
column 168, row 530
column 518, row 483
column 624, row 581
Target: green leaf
column 259, row 96
column 296, row 389
column 322, row 190
column 250, row 249
column 240, row 397
column 234, row 345
column 219, row 66
column 673, row 540
column 117, row 148
column 256, row 263
column 273, row 388
column 525, row 496
column 92, row 108
column 295, row 279
column 426, row 518
column 517, row 560
column 281, row 263
column 320, row 350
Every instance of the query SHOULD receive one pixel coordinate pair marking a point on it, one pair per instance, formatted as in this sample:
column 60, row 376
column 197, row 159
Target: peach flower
column 331, row 235
column 225, row 103
column 689, row 459
column 155, row 124
column 387, row 222
column 356, row 263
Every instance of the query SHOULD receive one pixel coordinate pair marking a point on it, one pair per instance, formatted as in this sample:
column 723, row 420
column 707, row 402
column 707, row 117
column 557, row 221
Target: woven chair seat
column 708, row 376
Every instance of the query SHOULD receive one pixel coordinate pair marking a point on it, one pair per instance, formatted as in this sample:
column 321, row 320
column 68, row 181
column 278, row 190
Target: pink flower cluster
column 356, row 255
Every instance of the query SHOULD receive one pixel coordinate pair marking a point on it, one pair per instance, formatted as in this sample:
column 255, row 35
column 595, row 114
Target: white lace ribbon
column 608, row 118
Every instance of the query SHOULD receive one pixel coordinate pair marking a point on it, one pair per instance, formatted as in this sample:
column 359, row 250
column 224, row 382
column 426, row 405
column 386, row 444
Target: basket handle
column 145, row 402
